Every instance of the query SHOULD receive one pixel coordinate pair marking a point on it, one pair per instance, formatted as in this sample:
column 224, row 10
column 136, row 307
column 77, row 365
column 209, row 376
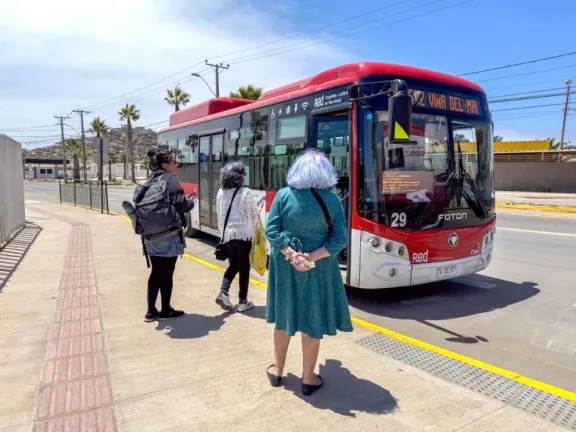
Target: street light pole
column 61, row 120
column 82, row 112
column 197, row 75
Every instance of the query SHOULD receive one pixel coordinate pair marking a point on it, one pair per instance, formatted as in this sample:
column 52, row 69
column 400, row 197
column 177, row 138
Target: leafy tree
column 73, row 148
column 177, row 97
column 249, row 92
column 113, row 158
column 461, row 137
column 497, row 138
column 130, row 114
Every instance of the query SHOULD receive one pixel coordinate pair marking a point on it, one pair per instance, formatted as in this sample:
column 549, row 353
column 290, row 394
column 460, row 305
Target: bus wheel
column 190, row 231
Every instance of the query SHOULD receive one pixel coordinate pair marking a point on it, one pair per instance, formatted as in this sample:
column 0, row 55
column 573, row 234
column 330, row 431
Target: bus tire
column 189, row 230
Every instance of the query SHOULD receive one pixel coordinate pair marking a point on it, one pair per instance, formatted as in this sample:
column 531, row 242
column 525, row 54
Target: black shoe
column 275, row 380
column 170, row 314
column 151, row 316
column 308, row 389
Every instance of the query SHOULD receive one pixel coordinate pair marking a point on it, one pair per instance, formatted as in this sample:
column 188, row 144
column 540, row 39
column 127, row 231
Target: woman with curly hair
column 238, row 233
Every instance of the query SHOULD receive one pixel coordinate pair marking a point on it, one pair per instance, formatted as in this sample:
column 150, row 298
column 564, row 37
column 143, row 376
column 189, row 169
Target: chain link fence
column 93, row 195
column 12, row 215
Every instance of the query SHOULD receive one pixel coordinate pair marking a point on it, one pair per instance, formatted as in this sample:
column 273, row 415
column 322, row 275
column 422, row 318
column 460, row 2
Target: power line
column 528, row 73
column 282, row 50
column 547, row 95
column 527, row 107
column 530, row 92
column 520, row 64
column 251, row 48
column 353, row 33
column 524, row 84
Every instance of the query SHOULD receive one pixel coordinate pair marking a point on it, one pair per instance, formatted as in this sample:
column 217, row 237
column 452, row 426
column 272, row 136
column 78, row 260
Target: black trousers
column 160, row 280
column 238, row 262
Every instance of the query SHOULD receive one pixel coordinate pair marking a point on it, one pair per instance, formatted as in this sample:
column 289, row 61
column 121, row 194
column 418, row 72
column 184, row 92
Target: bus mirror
column 399, row 113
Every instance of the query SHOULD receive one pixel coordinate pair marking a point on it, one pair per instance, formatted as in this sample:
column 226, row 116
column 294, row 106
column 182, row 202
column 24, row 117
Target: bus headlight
column 489, row 238
column 386, row 246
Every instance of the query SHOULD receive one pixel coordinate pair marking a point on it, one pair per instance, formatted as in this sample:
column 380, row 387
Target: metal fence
column 93, row 195
column 12, row 215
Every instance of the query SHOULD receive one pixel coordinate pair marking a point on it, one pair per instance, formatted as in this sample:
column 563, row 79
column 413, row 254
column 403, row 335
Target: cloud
column 511, row 134
column 64, row 55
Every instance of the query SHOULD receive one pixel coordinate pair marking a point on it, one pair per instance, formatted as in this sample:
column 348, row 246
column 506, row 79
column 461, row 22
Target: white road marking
column 536, row 232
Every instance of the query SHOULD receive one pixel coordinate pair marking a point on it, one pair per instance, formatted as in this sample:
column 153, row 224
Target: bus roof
column 341, row 75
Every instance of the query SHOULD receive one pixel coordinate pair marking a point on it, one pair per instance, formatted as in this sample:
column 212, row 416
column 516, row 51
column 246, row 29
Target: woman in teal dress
column 305, row 289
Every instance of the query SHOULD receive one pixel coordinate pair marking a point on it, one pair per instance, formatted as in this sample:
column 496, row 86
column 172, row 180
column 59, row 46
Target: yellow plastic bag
column 258, row 253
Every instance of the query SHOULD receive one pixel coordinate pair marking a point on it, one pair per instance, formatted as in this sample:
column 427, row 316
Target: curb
column 530, row 207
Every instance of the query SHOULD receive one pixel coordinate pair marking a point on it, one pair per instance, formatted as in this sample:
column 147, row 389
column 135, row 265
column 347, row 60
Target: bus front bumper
column 376, row 273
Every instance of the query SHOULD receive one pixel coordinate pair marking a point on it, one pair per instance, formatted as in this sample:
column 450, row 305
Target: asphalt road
column 519, row 314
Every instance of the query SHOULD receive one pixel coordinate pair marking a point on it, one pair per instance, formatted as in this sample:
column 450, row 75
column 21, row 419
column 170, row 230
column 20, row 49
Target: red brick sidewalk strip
column 75, row 393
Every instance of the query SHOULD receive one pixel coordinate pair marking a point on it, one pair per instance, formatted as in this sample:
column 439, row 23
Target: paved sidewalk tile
column 92, row 364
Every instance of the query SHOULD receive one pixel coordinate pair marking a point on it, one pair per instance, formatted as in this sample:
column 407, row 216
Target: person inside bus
column 164, row 251
column 305, row 289
column 238, row 234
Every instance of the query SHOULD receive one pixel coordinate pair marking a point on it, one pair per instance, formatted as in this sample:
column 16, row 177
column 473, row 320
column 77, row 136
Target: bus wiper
column 476, row 202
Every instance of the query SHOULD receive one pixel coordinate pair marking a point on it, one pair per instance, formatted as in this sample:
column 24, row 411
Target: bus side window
column 188, row 158
column 258, row 161
column 287, row 139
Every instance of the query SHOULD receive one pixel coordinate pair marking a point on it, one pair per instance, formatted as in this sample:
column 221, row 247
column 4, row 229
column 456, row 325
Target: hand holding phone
column 193, row 195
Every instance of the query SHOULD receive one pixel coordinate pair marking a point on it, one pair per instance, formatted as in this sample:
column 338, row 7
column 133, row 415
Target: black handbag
column 324, row 209
column 220, row 251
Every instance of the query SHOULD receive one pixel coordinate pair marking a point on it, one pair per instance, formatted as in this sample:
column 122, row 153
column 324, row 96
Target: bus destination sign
column 450, row 102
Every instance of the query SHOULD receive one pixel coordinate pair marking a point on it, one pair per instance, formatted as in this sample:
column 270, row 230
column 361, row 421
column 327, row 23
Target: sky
column 62, row 55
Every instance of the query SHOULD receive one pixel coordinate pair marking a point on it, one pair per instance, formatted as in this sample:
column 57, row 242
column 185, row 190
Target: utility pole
column 568, row 85
column 82, row 112
column 61, row 120
column 217, row 69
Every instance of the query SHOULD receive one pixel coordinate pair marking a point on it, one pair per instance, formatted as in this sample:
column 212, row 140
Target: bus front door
column 211, row 157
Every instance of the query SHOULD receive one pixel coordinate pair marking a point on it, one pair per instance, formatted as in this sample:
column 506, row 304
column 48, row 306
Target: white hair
column 312, row 170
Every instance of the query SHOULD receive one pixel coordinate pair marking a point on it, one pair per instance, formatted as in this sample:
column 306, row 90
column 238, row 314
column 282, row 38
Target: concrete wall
column 535, row 176
column 12, row 216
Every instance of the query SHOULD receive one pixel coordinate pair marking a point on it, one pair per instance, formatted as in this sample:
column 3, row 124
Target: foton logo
column 319, row 102
column 418, row 258
column 453, row 240
column 453, row 216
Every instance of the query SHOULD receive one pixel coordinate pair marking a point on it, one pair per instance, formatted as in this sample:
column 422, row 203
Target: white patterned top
column 243, row 216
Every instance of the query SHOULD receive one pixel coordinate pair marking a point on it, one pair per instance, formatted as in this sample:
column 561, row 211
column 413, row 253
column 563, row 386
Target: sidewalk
column 560, row 202
column 75, row 354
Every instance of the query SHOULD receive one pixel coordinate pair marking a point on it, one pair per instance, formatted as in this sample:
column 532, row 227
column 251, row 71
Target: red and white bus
column 420, row 208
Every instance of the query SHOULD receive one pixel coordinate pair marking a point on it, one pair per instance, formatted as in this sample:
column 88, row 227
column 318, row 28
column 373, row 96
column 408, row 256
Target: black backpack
column 156, row 216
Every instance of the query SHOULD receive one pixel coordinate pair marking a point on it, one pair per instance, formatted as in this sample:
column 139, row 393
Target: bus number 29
column 398, row 220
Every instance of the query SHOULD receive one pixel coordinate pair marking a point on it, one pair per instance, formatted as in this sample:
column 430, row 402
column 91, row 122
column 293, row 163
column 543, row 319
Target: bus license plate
column 446, row 271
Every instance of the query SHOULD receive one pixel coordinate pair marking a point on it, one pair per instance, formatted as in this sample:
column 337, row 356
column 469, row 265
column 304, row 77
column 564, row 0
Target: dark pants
column 238, row 262
column 161, row 280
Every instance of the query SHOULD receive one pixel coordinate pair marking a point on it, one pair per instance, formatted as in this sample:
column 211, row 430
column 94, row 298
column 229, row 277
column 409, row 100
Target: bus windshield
column 441, row 179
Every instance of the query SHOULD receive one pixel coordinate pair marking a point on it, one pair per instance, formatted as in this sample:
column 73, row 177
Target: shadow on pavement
column 256, row 312
column 12, row 254
column 343, row 392
column 192, row 326
column 447, row 300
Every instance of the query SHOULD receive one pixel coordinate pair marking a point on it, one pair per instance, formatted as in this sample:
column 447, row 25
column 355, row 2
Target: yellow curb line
column 537, row 208
column 547, row 388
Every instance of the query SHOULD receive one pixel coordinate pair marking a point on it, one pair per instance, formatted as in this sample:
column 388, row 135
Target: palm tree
column 249, row 92
column 177, row 98
column 74, row 148
column 100, row 128
column 124, row 160
column 113, row 158
column 130, row 114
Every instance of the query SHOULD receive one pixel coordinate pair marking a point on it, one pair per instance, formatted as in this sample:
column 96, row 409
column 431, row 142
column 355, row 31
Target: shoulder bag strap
column 324, row 209
column 228, row 214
